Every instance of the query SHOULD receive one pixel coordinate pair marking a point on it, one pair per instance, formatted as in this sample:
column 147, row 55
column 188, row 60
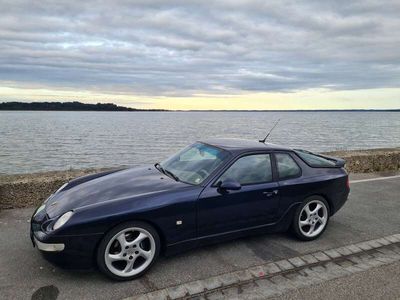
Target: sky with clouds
column 202, row 54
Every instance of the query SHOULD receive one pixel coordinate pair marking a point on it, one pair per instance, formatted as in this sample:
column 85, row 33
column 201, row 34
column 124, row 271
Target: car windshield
column 194, row 163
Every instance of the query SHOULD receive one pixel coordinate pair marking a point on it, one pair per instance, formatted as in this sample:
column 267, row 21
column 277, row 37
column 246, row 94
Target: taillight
column 348, row 182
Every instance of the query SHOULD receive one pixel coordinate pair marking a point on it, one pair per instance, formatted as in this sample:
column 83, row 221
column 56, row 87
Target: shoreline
column 25, row 190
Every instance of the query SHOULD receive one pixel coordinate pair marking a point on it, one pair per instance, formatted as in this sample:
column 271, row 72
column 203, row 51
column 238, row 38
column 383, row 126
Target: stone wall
column 367, row 161
column 32, row 189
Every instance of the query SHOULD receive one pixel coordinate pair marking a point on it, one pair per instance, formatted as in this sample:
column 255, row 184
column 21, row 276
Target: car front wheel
column 311, row 218
column 128, row 250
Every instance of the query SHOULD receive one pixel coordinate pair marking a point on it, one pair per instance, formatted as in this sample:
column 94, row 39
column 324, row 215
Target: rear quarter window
column 314, row 160
column 287, row 167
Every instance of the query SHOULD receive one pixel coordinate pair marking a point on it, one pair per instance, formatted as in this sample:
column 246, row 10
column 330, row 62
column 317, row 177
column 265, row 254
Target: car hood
column 95, row 189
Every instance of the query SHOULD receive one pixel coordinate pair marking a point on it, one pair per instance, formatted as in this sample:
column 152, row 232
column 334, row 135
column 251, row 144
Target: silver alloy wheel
column 313, row 218
column 130, row 252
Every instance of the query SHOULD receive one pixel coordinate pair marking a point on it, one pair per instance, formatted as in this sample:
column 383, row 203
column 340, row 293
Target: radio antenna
column 276, row 123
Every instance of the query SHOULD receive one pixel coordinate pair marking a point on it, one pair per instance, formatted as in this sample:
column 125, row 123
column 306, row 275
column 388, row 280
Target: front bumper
column 68, row 252
column 48, row 247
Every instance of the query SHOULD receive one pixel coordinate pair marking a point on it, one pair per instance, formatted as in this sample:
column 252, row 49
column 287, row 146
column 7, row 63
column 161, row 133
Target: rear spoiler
column 339, row 162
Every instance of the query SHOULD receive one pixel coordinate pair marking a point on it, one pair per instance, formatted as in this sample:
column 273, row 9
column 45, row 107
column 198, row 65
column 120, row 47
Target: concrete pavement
column 371, row 212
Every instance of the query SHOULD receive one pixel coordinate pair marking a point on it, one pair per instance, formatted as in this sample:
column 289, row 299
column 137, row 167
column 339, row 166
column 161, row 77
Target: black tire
column 100, row 255
column 299, row 233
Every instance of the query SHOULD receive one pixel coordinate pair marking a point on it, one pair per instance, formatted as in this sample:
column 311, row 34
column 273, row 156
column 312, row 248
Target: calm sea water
column 41, row 141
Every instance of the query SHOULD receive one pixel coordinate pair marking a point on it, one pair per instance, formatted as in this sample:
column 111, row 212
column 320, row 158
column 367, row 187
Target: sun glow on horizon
column 382, row 98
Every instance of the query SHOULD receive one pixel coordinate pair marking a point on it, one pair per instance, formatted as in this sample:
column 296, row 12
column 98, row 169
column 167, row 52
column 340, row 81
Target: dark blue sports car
column 210, row 191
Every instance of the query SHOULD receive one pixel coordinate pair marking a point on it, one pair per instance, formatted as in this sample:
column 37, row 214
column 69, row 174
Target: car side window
column 250, row 169
column 287, row 167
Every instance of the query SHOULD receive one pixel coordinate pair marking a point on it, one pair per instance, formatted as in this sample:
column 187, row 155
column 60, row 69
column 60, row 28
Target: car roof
column 231, row 144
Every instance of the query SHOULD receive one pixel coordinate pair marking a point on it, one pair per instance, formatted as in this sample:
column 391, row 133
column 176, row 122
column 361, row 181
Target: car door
column 255, row 203
column 292, row 187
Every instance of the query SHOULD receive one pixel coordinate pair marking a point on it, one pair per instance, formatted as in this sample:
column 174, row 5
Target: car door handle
column 270, row 193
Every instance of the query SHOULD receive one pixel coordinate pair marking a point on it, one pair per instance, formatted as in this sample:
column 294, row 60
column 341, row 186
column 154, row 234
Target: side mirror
column 230, row 184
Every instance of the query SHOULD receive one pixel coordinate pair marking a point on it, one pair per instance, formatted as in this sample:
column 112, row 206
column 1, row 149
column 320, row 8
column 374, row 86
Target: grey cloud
column 187, row 47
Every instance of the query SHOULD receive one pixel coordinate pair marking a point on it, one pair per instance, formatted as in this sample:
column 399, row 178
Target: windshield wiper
column 159, row 167
column 166, row 172
column 170, row 174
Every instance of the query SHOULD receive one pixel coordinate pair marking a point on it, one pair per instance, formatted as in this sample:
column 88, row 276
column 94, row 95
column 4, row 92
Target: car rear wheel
column 128, row 250
column 311, row 218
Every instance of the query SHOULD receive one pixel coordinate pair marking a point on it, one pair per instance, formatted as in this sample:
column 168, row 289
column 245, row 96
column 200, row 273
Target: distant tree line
column 79, row 106
column 66, row 106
